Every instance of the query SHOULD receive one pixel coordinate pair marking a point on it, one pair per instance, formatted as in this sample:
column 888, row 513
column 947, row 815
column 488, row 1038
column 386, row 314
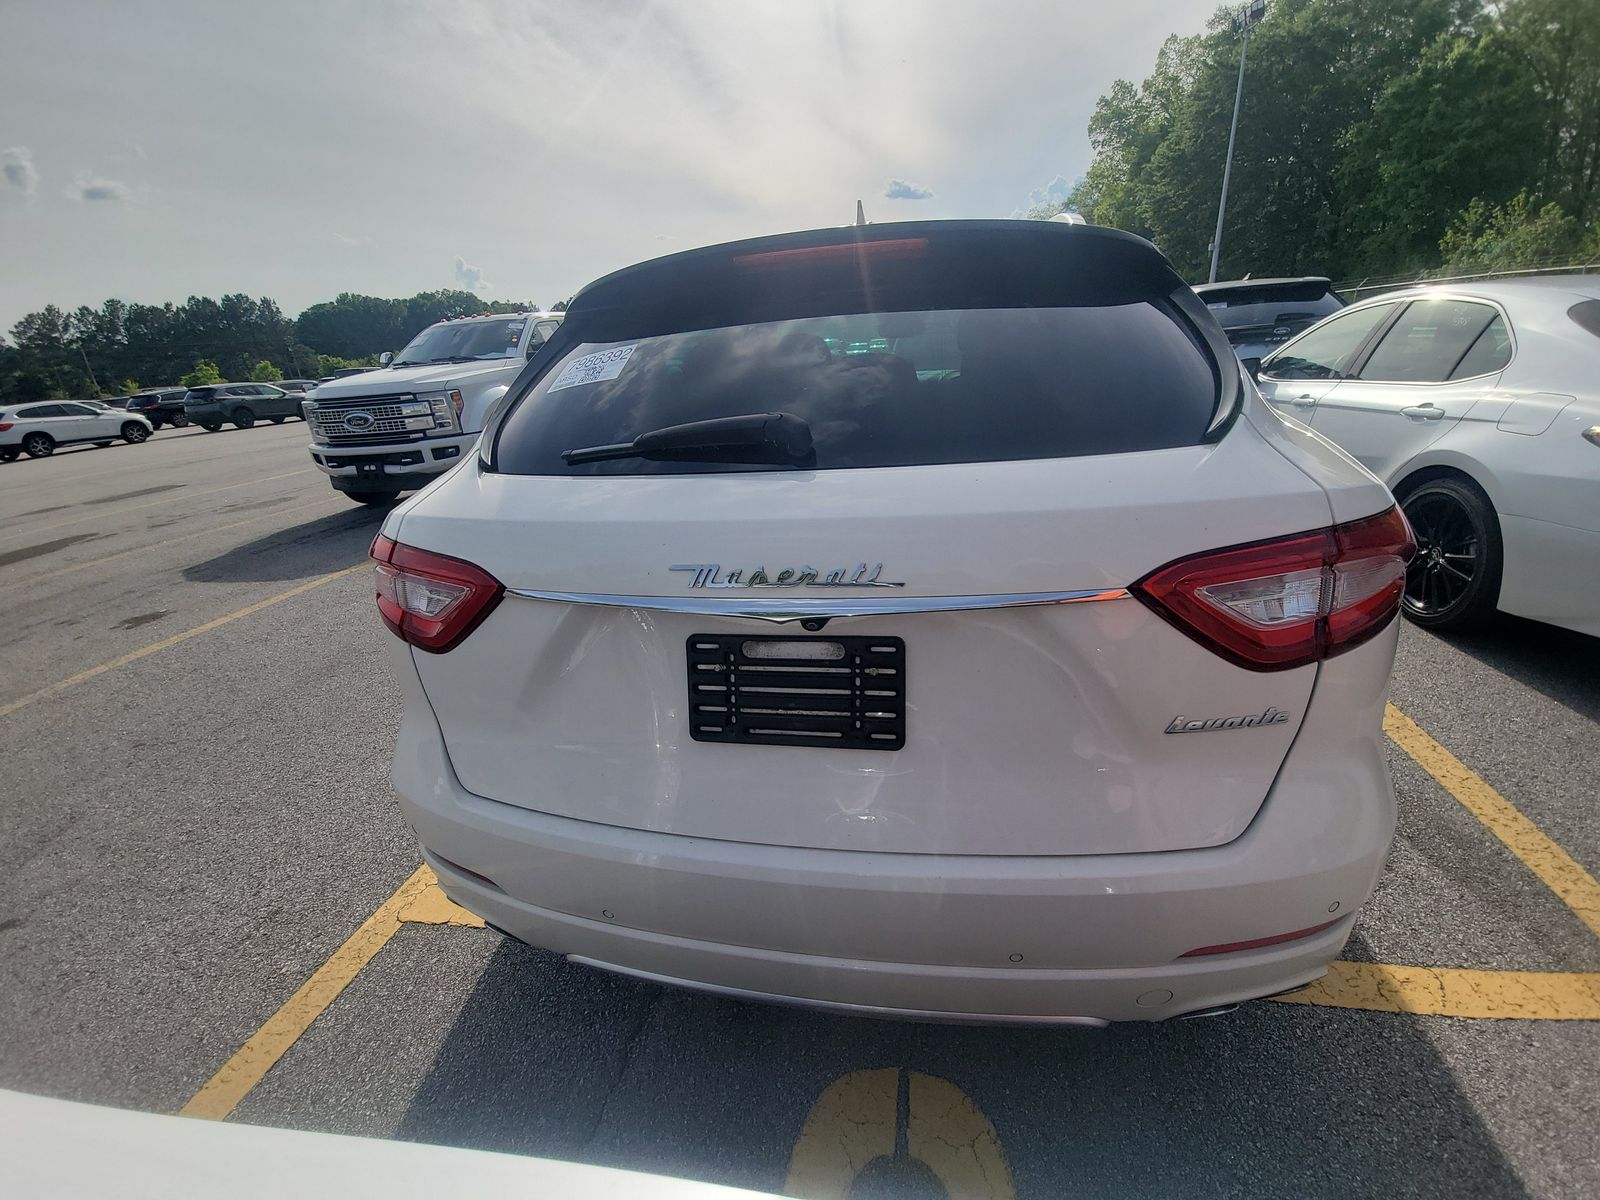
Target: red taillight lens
column 4, row 425
column 1257, row 943
column 430, row 600
column 1289, row 601
column 844, row 253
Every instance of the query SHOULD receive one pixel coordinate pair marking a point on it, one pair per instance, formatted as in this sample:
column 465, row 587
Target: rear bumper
column 1087, row 938
column 1551, row 573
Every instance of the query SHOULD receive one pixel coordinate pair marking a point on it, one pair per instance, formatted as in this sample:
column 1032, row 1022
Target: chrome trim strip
column 833, row 606
column 933, row 1016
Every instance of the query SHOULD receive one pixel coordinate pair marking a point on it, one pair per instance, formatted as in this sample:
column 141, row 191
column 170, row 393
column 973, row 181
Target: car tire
column 178, row 422
column 242, row 418
column 1453, row 583
column 374, row 498
column 211, row 426
column 276, row 420
column 155, row 423
column 38, row 445
column 133, row 433
column 9, row 453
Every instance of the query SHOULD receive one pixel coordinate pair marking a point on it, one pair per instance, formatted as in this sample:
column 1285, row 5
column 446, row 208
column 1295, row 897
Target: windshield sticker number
column 593, row 368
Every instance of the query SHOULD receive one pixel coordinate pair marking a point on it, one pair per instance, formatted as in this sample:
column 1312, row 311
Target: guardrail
column 1372, row 285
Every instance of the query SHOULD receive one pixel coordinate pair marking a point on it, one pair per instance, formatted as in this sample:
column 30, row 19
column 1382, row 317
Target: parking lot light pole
column 1252, row 13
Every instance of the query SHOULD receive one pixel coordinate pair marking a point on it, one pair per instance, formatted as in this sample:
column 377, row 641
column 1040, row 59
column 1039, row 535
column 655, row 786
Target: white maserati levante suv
column 925, row 620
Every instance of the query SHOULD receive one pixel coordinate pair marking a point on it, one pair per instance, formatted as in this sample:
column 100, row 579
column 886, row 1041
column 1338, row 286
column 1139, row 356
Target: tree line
column 1376, row 137
column 120, row 347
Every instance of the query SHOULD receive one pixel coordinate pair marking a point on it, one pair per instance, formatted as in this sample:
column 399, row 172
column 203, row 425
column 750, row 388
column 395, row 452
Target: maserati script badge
column 709, row 575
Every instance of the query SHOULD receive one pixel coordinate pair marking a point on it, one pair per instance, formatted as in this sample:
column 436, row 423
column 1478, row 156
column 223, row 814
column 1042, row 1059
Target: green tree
column 204, row 374
column 1517, row 234
column 265, row 372
column 127, row 387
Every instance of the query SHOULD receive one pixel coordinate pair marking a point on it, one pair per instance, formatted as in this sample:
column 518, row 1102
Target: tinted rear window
column 200, row 393
column 885, row 389
column 1587, row 315
column 1241, row 312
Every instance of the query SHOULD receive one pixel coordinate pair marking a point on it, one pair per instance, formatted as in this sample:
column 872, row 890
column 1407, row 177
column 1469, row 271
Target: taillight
column 431, row 600
column 1288, row 601
column 5, row 425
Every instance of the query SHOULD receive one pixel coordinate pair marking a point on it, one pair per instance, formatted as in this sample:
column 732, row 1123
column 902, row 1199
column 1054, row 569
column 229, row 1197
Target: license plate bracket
column 764, row 690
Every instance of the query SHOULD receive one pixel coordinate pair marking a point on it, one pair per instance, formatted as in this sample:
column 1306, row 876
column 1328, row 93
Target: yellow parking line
column 162, row 544
column 62, row 685
column 1454, row 992
column 1557, row 869
column 236, row 1077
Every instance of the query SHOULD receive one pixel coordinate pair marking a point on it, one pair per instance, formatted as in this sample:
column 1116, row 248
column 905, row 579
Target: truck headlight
column 445, row 406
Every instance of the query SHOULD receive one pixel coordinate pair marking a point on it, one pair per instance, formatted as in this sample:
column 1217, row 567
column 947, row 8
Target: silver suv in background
column 393, row 429
column 1259, row 315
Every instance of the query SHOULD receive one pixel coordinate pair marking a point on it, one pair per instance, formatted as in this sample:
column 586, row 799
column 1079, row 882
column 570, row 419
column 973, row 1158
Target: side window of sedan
column 1321, row 353
column 1429, row 341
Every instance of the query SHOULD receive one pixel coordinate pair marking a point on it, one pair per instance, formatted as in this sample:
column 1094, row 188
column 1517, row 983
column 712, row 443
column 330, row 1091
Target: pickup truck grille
column 389, row 419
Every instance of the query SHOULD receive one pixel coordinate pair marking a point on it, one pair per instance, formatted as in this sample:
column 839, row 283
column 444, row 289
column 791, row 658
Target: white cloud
column 1053, row 193
column 18, row 172
column 899, row 189
column 471, row 278
column 100, row 191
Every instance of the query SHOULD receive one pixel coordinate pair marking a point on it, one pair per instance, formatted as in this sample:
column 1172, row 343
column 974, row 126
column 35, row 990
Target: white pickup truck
column 396, row 428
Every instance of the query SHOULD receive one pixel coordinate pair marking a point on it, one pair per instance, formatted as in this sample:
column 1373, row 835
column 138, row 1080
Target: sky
column 159, row 150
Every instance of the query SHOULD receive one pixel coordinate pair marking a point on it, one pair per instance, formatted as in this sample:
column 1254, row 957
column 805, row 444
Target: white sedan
column 37, row 429
column 917, row 619
column 1480, row 407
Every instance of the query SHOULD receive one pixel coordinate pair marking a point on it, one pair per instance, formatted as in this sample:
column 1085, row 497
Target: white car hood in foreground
column 405, row 379
column 63, row 1149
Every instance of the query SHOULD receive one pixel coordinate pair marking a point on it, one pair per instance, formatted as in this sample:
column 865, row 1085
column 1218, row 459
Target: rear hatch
column 1010, row 427
column 1261, row 315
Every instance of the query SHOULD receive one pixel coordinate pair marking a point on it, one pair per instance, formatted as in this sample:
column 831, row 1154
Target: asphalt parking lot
column 208, row 899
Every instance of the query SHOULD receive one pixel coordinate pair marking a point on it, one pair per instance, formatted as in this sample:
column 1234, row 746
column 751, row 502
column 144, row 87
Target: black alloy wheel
column 1453, row 582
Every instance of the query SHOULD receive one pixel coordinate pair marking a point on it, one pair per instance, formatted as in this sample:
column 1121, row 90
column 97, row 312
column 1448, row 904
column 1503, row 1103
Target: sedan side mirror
column 385, row 358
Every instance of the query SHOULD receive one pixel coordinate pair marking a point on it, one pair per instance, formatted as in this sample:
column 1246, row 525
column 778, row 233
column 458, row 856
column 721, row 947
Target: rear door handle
column 1423, row 412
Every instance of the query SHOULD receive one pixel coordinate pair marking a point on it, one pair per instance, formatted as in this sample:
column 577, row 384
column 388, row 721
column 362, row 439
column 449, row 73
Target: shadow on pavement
column 551, row 1059
column 1563, row 665
column 298, row 552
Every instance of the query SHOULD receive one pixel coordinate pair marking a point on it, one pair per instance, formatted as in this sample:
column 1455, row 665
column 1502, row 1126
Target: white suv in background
column 924, row 619
column 37, row 429
column 394, row 429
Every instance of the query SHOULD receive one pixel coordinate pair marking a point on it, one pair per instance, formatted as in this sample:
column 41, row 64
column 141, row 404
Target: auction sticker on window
column 593, row 368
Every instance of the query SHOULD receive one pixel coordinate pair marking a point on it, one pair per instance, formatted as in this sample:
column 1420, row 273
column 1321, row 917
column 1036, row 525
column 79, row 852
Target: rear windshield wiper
column 755, row 438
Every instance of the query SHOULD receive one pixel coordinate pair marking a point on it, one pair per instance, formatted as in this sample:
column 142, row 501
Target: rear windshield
column 1236, row 312
column 884, row 389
